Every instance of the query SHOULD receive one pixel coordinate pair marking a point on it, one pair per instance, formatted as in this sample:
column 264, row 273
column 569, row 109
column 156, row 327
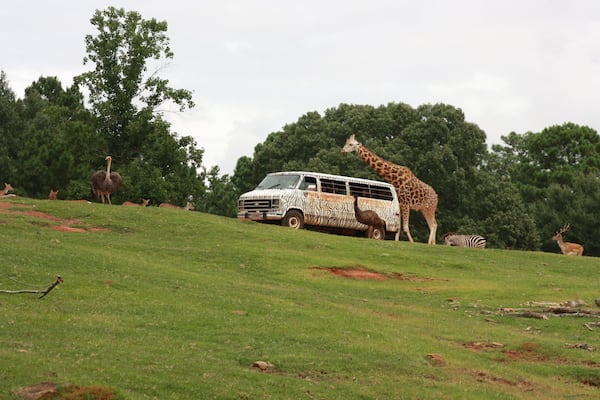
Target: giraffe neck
column 397, row 175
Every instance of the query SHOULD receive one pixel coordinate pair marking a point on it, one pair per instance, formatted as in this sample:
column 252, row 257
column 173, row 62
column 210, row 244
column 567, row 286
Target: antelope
column 568, row 249
column 53, row 194
column 188, row 206
column 7, row 188
column 145, row 203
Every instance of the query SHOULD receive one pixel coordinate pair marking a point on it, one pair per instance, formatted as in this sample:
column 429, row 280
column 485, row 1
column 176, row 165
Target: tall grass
column 168, row 304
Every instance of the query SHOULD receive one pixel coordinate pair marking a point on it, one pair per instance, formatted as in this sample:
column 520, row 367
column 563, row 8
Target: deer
column 145, row 203
column 7, row 188
column 53, row 195
column 568, row 249
column 188, row 206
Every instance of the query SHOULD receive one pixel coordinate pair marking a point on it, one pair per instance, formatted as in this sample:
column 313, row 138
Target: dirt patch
column 362, row 273
column 482, row 376
column 357, row 273
column 66, row 228
column 532, row 352
column 483, row 346
column 62, row 224
column 56, row 391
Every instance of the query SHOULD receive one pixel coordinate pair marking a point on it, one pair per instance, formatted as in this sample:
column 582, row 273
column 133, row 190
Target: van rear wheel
column 293, row 219
column 378, row 234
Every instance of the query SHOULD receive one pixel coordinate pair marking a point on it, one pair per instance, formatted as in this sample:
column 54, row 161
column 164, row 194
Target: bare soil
column 361, row 272
column 55, row 391
column 58, row 224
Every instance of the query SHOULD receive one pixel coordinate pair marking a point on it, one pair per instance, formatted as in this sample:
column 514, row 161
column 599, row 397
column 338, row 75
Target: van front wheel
column 293, row 219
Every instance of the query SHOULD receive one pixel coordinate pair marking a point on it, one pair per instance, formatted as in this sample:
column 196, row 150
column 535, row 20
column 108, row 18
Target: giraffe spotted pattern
column 413, row 194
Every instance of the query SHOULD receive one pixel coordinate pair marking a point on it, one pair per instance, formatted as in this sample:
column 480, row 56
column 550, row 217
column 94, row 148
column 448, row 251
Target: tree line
column 516, row 194
column 56, row 137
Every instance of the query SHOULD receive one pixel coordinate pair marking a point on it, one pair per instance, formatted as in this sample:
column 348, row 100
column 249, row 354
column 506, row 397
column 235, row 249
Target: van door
column 329, row 205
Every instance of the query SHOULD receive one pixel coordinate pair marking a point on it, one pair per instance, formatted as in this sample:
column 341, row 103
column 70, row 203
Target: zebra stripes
column 475, row 241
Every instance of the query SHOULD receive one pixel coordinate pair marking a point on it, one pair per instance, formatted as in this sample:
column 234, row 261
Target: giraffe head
column 350, row 145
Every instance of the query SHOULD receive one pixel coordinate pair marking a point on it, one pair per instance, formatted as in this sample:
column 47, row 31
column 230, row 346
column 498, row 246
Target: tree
column 125, row 98
column 434, row 141
column 557, row 154
column 61, row 141
column 121, row 89
column 241, row 179
column 557, row 172
column 10, row 131
column 220, row 197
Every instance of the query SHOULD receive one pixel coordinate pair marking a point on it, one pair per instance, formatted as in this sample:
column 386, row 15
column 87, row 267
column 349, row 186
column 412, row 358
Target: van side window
column 359, row 189
column 381, row 192
column 333, row 186
column 307, row 181
column 371, row 191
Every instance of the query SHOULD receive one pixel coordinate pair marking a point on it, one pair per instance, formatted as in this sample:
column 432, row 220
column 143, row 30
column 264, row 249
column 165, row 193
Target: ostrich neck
column 108, row 170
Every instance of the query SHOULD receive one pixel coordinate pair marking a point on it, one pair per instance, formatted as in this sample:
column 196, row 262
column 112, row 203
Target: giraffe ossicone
column 413, row 194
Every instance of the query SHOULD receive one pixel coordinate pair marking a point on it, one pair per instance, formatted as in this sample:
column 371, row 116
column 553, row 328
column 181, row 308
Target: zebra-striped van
column 320, row 201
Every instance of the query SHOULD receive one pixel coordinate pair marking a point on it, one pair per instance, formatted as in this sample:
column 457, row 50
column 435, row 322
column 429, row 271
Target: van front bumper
column 260, row 216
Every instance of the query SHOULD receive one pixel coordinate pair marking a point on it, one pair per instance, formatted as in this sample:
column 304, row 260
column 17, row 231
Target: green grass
column 167, row 304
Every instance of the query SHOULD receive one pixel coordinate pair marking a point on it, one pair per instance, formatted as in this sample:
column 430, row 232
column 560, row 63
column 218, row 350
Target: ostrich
column 105, row 182
column 369, row 218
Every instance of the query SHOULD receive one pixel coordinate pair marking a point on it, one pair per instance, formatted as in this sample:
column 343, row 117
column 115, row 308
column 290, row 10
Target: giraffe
column 413, row 194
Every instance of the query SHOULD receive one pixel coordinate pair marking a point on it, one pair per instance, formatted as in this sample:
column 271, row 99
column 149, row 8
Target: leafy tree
column 10, row 131
column 493, row 208
column 220, row 197
column 121, row 89
column 577, row 204
column 241, row 179
column 556, row 155
column 125, row 98
column 61, row 141
column 557, row 172
column 434, row 141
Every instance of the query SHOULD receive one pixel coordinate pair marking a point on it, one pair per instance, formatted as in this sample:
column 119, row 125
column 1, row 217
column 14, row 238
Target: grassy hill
column 168, row 304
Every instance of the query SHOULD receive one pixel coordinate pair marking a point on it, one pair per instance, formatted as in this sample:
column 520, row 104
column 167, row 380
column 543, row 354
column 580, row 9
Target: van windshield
column 279, row 182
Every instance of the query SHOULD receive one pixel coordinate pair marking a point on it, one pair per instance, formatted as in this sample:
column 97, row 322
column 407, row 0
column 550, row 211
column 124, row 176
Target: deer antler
column 564, row 229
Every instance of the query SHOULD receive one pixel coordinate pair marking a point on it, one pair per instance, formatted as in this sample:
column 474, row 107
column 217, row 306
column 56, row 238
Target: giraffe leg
column 405, row 210
column 429, row 215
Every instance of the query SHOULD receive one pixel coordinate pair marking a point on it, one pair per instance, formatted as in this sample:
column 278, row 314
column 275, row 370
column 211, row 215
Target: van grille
column 258, row 205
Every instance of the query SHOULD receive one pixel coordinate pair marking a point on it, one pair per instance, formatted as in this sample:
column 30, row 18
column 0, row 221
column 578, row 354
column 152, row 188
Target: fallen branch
column 544, row 312
column 526, row 314
column 43, row 292
column 591, row 325
column 574, row 312
column 582, row 346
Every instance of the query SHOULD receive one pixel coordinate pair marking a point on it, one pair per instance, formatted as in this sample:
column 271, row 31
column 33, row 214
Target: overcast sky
column 256, row 65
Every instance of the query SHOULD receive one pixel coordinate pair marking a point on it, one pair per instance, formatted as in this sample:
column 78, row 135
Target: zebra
column 453, row 239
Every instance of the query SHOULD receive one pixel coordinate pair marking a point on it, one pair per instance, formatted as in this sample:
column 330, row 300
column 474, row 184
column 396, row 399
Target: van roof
column 331, row 176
